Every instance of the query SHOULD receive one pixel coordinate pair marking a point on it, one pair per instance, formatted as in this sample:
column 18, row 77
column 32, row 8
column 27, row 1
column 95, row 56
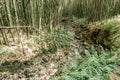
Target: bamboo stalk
column 8, row 11
column 16, row 15
column 17, row 20
column 40, row 13
column 5, row 39
column 4, row 36
column 32, row 13
column 9, row 16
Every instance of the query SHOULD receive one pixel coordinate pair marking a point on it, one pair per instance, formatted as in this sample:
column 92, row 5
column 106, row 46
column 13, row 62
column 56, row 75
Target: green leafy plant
column 57, row 39
column 94, row 67
column 109, row 25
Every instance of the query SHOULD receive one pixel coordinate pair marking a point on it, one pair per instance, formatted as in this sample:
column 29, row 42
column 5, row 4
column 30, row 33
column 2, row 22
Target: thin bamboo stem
column 9, row 16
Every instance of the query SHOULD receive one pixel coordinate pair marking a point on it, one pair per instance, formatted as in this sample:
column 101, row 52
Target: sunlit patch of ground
column 114, row 76
column 23, row 61
column 22, row 50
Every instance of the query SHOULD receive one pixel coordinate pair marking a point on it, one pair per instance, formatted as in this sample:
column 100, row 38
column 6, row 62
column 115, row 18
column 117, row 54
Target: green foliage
column 110, row 25
column 55, row 40
column 106, row 33
column 94, row 67
column 53, row 79
column 113, row 28
column 52, row 48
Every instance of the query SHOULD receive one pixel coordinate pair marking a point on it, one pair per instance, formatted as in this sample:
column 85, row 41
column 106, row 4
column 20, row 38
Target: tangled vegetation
column 59, row 39
column 95, row 67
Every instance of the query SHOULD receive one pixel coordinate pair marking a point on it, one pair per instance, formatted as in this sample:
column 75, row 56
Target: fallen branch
column 14, row 27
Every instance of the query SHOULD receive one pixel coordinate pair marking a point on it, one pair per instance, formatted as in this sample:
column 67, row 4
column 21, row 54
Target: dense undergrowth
column 94, row 67
column 58, row 28
column 52, row 42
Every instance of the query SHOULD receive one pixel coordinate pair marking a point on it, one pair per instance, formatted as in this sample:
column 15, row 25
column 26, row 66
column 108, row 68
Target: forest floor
column 23, row 61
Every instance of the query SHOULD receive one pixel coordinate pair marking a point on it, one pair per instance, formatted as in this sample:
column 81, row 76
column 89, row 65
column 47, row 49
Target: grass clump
column 110, row 25
column 94, row 67
column 55, row 40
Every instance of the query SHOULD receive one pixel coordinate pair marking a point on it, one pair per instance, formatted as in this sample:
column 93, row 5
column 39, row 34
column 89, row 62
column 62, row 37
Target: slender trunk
column 9, row 17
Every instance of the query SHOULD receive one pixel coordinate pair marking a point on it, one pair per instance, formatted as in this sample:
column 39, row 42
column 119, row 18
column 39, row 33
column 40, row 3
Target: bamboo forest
column 59, row 39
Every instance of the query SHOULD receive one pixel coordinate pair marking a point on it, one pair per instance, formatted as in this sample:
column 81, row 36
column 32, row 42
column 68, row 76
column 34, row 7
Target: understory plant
column 93, row 67
column 113, row 27
column 59, row 38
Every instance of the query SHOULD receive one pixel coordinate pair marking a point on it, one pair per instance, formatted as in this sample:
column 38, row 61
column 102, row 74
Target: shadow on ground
column 13, row 66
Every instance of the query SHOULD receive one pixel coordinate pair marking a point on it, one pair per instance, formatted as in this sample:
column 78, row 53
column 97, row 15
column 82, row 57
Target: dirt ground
column 24, row 61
